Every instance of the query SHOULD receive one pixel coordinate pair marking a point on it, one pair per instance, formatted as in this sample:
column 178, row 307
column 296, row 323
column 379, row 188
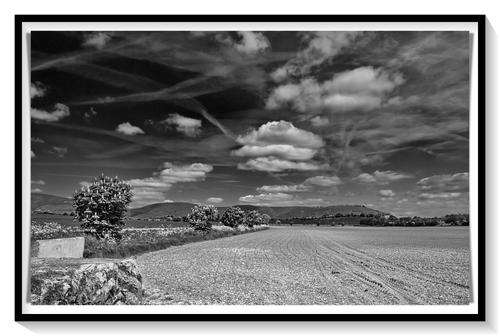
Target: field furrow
column 309, row 265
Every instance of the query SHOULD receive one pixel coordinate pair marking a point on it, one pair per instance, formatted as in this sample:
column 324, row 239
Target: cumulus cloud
column 85, row 183
column 386, row 193
column 284, row 188
column 320, row 47
column 185, row 125
column 360, row 89
column 59, row 112
column 37, row 89
column 39, row 182
column 97, row 40
column 323, row 181
column 152, row 189
column 288, row 152
column 251, row 42
column 381, row 177
column 277, row 145
column 33, row 154
column 129, row 129
column 36, row 190
column 272, row 164
column 215, row 200
column 281, row 132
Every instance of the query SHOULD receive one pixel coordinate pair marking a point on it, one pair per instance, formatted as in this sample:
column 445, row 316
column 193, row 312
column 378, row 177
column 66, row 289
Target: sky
column 277, row 118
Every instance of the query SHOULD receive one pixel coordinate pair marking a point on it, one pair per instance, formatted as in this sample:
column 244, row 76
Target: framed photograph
column 250, row 168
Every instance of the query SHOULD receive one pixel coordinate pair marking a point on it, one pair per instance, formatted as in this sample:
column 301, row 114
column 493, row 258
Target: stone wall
column 60, row 248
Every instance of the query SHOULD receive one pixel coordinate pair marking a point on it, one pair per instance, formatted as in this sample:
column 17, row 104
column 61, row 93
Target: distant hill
column 181, row 209
column 175, row 209
column 54, row 204
column 59, row 205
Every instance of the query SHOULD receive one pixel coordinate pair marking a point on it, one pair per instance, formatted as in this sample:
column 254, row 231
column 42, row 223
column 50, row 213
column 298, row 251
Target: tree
column 265, row 218
column 201, row 217
column 232, row 217
column 101, row 207
column 252, row 217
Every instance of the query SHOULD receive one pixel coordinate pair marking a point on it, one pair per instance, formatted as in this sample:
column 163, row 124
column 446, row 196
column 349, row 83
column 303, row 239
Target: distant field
column 315, row 265
column 129, row 223
column 136, row 223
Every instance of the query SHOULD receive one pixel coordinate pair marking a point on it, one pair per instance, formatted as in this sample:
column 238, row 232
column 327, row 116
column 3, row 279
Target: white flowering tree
column 101, row 206
column 202, row 216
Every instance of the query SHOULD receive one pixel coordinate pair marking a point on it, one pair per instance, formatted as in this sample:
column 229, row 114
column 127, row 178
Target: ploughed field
column 315, row 265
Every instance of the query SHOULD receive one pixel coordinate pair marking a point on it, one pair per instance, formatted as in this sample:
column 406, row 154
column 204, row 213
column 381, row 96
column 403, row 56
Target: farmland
column 315, row 265
column 129, row 222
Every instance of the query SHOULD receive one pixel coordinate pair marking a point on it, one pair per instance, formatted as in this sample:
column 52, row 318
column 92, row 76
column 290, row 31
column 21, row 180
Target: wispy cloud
column 320, row 47
column 280, row 199
column 215, row 200
column 381, row 177
column 59, row 151
column 443, row 186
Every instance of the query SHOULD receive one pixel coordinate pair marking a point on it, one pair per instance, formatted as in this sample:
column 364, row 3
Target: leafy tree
column 252, row 217
column 232, row 217
column 265, row 218
column 201, row 217
column 101, row 207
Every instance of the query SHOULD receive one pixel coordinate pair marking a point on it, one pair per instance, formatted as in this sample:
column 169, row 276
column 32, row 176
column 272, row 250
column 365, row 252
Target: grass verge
column 99, row 249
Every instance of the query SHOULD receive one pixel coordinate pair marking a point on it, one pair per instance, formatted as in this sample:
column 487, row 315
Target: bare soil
column 309, row 265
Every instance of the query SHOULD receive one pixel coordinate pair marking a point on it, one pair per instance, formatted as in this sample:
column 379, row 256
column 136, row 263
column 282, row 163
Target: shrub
column 232, row 217
column 101, row 207
column 201, row 216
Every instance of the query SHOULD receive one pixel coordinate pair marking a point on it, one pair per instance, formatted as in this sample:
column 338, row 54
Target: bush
column 102, row 206
column 201, row 216
column 232, row 217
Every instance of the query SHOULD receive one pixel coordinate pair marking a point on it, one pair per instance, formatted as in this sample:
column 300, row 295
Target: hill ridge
column 58, row 204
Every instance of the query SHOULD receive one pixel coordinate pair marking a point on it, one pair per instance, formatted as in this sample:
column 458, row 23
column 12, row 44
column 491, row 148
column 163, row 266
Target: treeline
column 451, row 220
column 376, row 220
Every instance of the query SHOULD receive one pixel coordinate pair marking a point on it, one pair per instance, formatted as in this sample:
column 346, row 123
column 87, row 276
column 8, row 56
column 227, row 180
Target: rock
column 90, row 284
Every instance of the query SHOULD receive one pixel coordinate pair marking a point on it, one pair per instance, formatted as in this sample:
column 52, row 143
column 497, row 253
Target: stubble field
column 315, row 265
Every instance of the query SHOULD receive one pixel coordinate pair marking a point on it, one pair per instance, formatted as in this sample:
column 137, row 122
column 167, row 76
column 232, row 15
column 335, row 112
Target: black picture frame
column 20, row 39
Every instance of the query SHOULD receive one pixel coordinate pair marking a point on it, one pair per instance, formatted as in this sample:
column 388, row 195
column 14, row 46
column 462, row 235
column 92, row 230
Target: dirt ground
column 309, row 265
